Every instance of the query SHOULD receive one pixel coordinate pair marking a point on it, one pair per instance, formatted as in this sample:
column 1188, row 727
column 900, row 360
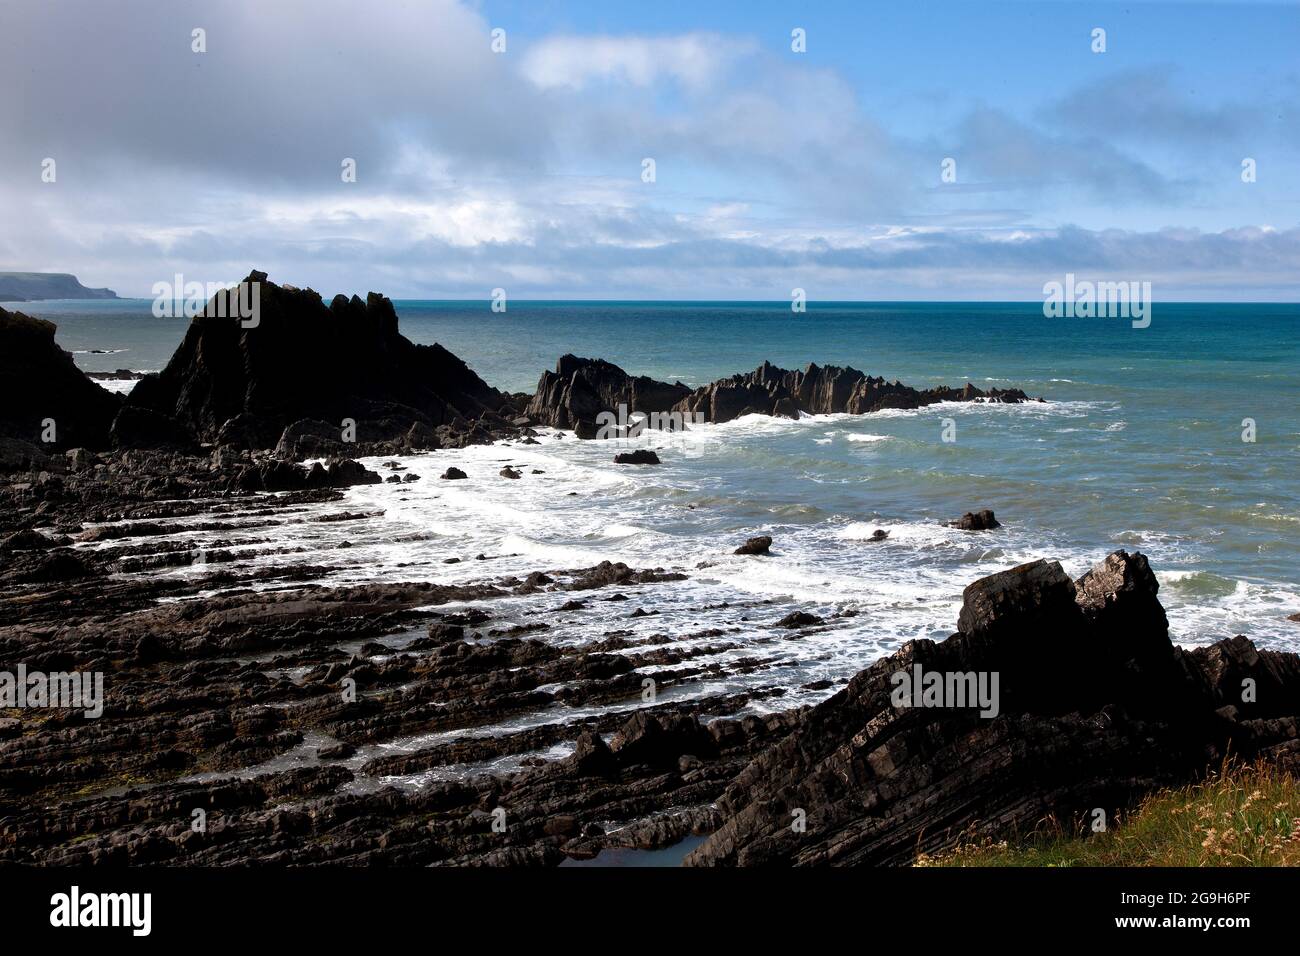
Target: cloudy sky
column 774, row 169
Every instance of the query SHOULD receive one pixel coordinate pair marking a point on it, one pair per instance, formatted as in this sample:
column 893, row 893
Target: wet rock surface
column 316, row 722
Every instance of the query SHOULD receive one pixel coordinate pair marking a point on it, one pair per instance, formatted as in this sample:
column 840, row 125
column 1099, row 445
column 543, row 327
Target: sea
column 1180, row 440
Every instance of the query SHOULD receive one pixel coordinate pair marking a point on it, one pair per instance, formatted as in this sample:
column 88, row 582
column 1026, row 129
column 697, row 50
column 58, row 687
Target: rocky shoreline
column 425, row 723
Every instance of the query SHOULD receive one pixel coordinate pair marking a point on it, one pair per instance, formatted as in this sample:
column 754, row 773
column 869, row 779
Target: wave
column 868, row 438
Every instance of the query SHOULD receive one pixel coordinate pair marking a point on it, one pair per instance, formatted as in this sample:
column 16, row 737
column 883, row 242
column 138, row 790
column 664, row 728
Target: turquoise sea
column 1139, row 445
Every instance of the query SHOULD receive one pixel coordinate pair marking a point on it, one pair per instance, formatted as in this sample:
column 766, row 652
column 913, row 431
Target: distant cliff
column 30, row 286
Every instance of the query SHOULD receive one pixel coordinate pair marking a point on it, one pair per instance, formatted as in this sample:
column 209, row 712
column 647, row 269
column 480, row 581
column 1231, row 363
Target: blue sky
column 774, row 169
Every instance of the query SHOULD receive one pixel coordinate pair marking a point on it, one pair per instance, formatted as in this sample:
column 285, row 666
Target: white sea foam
column 119, row 386
column 867, row 438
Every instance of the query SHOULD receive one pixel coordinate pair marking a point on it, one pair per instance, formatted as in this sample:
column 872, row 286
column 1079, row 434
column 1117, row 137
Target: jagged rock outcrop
column 821, row 390
column 580, row 389
column 40, row 383
column 303, row 360
column 1094, row 706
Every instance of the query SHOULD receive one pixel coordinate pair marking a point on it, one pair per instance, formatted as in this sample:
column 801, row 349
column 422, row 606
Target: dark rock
column 1030, row 599
column 641, row 456
column 62, row 564
column 758, row 545
column 660, row 741
column 17, row 455
column 303, row 360
column 799, row 619
column 591, row 756
column 580, row 389
column 40, row 381
column 146, row 428
column 422, row 437
column 81, row 459
column 820, row 390
column 28, row 541
column 444, row 633
column 338, row 751
column 309, row 438
column 453, row 474
column 346, row 473
column 982, row 520
column 508, row 472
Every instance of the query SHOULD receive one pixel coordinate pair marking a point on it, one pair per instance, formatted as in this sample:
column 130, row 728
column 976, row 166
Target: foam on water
column 1137, row 446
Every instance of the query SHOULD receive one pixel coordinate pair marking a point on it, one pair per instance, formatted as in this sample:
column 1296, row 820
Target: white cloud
column 695, row 60
column 478, row 170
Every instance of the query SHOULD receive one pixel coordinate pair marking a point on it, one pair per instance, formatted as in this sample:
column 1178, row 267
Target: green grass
column 1242, row 815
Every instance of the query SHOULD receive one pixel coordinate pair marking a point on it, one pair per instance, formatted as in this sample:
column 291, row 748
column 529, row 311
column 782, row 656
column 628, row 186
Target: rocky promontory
column 32, row 286
column 581, row 390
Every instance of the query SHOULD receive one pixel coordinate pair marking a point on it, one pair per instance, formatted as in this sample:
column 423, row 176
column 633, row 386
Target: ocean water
column 1138, row 445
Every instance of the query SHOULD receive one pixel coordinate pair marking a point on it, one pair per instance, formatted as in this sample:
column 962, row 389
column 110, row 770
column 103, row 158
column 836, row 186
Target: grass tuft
column 1242, row 815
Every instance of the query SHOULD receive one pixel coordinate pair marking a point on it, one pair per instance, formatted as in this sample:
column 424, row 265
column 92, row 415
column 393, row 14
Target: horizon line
column 623, row 301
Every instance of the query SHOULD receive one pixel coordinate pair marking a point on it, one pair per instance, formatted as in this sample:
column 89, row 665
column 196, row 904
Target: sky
column 524, row 168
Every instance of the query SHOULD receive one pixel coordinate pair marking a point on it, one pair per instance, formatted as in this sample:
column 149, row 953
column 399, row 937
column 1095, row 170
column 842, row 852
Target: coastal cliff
column 32, row 286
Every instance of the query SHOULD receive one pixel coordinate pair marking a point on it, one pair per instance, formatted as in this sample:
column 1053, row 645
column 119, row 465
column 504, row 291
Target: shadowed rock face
column 1097, row 707
column 581, row 389
column 304, row 360
column 38, row 381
